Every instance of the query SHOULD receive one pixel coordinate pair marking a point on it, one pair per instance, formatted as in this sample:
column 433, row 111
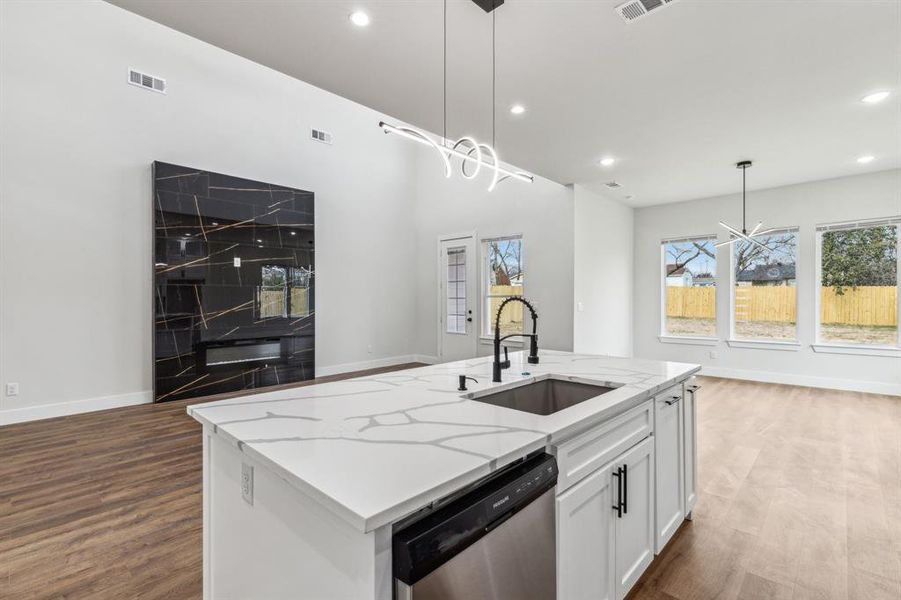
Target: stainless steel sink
column 544, row 396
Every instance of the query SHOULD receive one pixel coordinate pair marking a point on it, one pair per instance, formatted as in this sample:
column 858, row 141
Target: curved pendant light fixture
column 467, row 148
column 744, row 234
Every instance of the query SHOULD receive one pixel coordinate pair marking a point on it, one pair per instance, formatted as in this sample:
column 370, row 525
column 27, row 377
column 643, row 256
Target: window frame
column 664, row 335
column 846, row 348
column 486, row 334
column 766, row 343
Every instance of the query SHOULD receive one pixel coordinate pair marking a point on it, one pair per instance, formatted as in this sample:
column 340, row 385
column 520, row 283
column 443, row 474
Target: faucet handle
column 505, row 364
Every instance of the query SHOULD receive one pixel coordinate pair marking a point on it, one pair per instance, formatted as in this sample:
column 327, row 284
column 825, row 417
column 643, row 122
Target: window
column 858, row 283
column 765, row 300
column 689, row 280
column 502, row 277
column 456, row 290
column 284, row 292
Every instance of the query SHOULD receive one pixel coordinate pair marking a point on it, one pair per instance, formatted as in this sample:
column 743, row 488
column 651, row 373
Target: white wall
column 603, row 275
column 76, row 145
column 541, row 211
column 804, row 205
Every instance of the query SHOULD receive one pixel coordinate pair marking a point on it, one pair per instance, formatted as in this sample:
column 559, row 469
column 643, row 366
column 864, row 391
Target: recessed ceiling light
column 359, row 18
column 517, row 109
column 293, row 233
column 259, row 241
column 875, row 97
column 866, row 159
column 608, row 161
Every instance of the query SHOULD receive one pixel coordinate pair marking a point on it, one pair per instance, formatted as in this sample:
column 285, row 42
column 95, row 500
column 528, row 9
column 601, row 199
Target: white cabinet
column 633, row 531
column 690, row 429
column 585, row 539
column 605, row 528
column 669, row 465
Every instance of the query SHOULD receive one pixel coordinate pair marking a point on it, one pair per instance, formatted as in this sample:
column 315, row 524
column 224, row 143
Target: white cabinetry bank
column 302, row 486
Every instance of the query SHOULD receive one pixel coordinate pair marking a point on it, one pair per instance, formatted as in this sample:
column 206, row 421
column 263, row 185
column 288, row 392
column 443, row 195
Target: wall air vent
column 149, row 82
column 635, row 9
column 321, row 136
column 613, row 185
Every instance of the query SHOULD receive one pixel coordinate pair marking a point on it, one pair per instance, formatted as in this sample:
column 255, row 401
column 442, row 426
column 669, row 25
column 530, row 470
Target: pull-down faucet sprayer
column 533, row 347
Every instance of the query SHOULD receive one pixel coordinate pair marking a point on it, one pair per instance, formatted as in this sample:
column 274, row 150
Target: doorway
column 457, row 304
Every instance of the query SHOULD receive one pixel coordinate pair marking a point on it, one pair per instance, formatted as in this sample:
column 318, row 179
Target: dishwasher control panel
column 424, row 545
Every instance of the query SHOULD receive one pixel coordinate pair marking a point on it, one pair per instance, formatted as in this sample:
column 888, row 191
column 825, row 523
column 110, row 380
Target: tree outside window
column 765, row 286
column 859, row 285
column 503, row 277
column 689, row 275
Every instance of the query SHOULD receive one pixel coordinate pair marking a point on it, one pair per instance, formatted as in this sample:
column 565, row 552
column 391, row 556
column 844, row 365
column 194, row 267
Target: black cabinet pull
column 618, row 507
column 693, row 388
column 672, row 400
column 626, row 489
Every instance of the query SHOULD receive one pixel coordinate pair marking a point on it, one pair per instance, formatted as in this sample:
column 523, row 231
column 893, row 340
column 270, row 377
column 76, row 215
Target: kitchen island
column 301, row 487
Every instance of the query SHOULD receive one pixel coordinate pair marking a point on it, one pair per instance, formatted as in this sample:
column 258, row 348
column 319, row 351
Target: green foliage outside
column 858, row 257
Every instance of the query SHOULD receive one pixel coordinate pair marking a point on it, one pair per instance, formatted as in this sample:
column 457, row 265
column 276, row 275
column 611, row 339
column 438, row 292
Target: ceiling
column 677, row 97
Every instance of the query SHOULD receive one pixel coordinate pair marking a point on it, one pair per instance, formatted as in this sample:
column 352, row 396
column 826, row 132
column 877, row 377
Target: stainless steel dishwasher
column 495, row 542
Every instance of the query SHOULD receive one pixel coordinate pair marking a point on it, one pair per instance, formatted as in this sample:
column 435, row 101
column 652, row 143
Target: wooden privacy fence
column 866, row 305
column 512, row 317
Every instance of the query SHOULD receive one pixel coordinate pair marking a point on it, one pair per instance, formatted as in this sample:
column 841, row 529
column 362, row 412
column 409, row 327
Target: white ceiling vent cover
column 149, row 82
column 613, row 185
column 636, row 9
column 321, row 136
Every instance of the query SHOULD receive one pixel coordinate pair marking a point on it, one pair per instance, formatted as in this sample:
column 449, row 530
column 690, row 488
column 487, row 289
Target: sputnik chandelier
column 744, row 234
column 479, row 155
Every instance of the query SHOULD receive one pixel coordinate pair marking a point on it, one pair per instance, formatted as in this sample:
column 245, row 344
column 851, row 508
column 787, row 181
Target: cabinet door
column 634, row 530
column 585, row 539
column 668, row 460
column 690, row 429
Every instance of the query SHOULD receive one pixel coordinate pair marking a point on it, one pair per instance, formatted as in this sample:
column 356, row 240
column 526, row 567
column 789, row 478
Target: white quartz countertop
column 374, row 449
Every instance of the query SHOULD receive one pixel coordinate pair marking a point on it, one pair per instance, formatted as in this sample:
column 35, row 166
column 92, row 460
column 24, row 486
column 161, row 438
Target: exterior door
column 457, row 302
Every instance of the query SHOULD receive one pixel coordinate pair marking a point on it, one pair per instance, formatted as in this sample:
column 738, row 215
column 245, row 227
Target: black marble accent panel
column 234, row 283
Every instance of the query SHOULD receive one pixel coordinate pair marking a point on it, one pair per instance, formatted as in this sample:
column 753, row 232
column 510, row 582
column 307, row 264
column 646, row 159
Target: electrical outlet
column 236, row 261
column 369, row 349
column 12, row 389
column 247, row 483
column 580, row 307
column 713, row 354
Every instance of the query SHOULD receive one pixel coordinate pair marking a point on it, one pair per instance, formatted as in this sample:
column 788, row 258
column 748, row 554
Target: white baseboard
column 61, row 409
column 853, row 385
column 374, row 364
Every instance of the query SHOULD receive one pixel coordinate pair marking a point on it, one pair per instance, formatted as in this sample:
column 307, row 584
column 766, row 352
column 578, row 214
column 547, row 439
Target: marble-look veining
column 374, row 449
column 234, row 270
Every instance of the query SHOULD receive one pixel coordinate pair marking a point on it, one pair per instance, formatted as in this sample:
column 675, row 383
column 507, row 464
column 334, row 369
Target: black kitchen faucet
column 497, row 366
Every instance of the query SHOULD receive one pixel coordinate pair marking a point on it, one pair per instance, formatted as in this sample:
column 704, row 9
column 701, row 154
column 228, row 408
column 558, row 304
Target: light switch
column 237, row 261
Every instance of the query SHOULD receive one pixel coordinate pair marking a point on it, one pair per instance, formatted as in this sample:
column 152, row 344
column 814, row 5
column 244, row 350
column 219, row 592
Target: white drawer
column 582, row 455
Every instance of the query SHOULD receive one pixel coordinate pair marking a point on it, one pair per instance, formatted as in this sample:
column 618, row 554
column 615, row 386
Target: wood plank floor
column 800, row 498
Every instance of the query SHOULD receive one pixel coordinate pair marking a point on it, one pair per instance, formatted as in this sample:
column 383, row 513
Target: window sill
column 765, row 345
column 695, row 341
column 512, row 342
column 858, row 350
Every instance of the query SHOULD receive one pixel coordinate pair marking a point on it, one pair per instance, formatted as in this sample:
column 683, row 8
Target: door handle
column 469, row 319
column 626, row 489
column 618, row 507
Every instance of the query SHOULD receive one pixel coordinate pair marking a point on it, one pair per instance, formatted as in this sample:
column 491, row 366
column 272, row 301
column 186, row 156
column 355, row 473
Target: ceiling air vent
column 636, row 9
column 149, row 82
column 613, row 185
column 321, row 136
